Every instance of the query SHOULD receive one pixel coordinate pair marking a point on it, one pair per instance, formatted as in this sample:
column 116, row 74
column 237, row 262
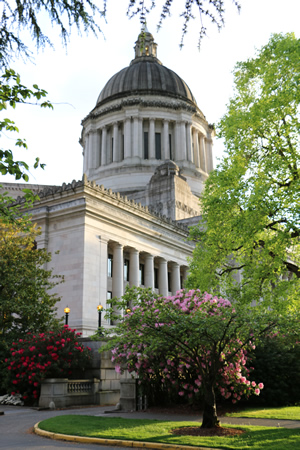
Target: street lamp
column 127, row 310
column 99, row 307
column 66, row 311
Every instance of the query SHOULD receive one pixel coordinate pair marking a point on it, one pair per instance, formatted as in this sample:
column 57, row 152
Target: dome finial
column 145, row 45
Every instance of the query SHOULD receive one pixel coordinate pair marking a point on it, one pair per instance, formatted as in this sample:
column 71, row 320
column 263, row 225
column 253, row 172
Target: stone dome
column 145, row 76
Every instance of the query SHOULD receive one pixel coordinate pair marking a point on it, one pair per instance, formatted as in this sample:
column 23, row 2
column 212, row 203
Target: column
column 97, row 149
column 116, row 147
column 151, row 139
column 184, row 275
column 182, row 142
column 141, row 138
column 103, row 147
column 196, row 148
column 163, row 277
column 86, row 154
column 127, row 138
column 134, row 267
column 189, row 142
column 177, row 148
column 93, row 150
column 135, row 137
column 149, row 271
column 209, row 154
column 118, row 275
column 165, row 149
column 103, row 274
column 175, row 278
column 202, row 153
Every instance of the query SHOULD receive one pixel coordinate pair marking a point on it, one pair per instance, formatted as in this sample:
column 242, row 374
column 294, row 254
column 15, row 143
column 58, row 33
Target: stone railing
column 61, row 392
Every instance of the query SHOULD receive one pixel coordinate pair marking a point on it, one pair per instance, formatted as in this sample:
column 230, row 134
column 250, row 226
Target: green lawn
column 255, row 438
column 288, row 413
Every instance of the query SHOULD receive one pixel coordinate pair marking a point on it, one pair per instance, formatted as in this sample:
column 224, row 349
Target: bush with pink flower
column 191, row 342
column 52, row 354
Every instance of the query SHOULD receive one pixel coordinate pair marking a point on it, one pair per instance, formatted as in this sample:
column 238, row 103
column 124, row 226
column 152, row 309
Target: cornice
column 145, row 103
column 84, row 186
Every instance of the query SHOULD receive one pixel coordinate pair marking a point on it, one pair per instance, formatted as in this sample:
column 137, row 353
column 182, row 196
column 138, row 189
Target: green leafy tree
column 194, row 342
column 27, row 303
column 248, row 241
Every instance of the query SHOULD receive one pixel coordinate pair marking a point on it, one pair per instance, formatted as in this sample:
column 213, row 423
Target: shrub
column 45, row 355
column 277, row 364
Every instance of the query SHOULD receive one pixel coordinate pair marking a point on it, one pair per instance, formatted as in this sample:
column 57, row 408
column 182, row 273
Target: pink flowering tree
column 45, row 355
column 192, row 342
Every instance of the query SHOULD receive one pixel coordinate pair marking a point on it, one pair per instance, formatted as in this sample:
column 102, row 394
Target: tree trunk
column 210, row 419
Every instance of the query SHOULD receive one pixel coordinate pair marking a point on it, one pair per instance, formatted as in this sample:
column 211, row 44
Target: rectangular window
column 142, row 275
column 122, row 148
column 146, row 145
column 169, row 282
column 170, row 147
column 157, row 145
column 126, row 269
column 108, row 295
column 155, row 277
column 112, row 149
column 110, row 265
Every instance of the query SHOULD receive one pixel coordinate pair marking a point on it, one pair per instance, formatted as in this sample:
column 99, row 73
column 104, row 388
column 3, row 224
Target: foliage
column 193, row 341
column 160, row 431
column 214, row 10
column 26, row 301
column 19, row 15
column 13, row 92
column 45, row 355
column 276, row 362
column 248, row 239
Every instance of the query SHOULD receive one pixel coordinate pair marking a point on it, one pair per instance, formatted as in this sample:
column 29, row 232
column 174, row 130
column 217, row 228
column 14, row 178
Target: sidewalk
column 17, row 421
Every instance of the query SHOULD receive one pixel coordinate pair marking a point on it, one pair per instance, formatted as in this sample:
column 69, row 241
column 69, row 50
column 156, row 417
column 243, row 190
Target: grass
column 255, row 438
column 285, row 413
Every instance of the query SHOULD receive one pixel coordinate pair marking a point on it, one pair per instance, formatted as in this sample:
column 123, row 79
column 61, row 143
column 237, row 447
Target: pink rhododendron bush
column 45, row 355
column 193, row 342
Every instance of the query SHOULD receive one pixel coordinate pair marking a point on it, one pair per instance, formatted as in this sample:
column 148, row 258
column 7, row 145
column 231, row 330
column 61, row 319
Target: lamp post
column 66, row 311
column 99, row 308
column 127, row 310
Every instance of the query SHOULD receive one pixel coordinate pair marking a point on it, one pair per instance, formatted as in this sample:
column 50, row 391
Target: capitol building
column 147, row 152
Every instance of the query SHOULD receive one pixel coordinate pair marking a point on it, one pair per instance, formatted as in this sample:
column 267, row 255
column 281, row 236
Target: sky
column 75, row 77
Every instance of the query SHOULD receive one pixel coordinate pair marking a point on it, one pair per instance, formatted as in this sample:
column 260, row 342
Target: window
column 157, row 145
column 142, row 275
column 126, row 269
column 122, row 148
column 108, row 295
column 110, row 265
column 146, row 145
column 169, row 282
column 155, row 277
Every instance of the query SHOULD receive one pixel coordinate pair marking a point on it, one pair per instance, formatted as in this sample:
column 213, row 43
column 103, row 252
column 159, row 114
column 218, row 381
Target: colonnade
column 137, row 137
column 155, row 272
